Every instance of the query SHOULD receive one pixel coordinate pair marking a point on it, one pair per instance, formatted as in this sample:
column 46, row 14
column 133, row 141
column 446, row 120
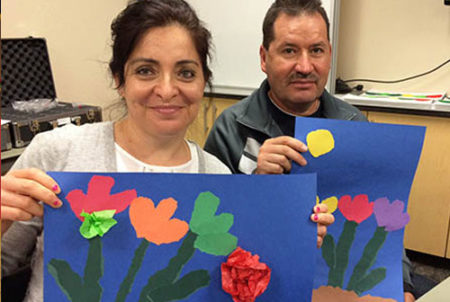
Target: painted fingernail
column 55, row 188
column 317, row 209
column 316, row 217
column 56, row 203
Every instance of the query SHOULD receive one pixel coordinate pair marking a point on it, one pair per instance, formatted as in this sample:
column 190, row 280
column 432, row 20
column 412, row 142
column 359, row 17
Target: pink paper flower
column 357, row 210
column 98, row 197
column 390, row 215
column 244, row 277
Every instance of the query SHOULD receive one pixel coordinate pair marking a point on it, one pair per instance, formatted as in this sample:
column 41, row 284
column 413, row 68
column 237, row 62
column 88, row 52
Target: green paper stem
column 181, row 289
column 168, row 275
column 368, row 258
column 76, row 290
column 329, row 251
column 93, row 271
column 136, row 263
column 336, row 274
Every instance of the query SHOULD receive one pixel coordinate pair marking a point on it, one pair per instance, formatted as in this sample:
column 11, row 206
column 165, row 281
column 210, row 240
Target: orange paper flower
column 155, row 224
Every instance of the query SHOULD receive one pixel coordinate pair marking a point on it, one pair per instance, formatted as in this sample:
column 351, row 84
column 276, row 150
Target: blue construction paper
column 378, row 160
column 271, row 219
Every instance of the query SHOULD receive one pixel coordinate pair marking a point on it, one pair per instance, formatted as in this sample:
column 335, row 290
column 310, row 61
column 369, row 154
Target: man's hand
column 276, row 155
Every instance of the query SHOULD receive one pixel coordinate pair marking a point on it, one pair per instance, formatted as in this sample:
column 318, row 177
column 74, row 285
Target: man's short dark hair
column 291, row 8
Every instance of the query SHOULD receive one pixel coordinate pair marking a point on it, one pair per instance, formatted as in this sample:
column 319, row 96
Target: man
column 256, row 134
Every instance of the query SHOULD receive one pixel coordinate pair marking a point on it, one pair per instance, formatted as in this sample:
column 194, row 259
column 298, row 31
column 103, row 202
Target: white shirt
column 128, row 163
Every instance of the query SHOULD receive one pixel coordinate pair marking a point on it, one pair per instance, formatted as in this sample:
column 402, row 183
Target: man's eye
column 289, row 51
column 317, row 50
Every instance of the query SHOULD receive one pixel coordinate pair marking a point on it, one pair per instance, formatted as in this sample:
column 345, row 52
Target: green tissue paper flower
column 97, row 223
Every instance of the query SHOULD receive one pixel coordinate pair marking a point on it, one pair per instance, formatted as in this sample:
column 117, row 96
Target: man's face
column 297, row 62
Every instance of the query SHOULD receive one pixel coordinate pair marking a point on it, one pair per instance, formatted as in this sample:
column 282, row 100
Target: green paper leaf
column 368, row 257
column 69, row 281
column 76, row 289
column 216, row 244
column 370, row 280
column 169, row 274
column 181, row 289
column 97, row 223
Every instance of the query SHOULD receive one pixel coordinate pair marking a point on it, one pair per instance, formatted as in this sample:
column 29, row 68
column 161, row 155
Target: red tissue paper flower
column 98, row 197
column 244, row 277
column 358, row 209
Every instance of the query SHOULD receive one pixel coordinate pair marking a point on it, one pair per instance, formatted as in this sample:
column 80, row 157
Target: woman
column 159, row 64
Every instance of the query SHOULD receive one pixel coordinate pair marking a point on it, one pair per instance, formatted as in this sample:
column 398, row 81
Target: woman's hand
column 21, row 192
column 323, row 220
column 409, row 297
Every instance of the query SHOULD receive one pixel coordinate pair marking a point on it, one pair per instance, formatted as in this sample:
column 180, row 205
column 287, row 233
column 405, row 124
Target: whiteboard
column 236, row 28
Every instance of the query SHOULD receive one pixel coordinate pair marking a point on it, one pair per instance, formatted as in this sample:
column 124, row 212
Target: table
column 439, row 293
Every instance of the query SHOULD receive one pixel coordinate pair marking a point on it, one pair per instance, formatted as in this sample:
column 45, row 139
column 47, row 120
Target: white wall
column 236, row 28
column 392, row 39
column 382, row 39
column 78, row 38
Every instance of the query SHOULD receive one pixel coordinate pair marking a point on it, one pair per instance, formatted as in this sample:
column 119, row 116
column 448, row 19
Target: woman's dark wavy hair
column 141, row 15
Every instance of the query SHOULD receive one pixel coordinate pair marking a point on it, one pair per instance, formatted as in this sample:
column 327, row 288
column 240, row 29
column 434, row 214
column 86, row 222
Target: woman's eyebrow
column 143, row 60
column 184, row 62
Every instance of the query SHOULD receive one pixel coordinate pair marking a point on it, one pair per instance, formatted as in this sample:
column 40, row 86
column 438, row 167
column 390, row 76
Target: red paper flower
column 357, row 210
column 98, row 197
column 244, row 277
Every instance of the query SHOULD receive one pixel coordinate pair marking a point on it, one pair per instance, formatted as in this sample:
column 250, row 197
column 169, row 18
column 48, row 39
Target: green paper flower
column 212, row 230
column 97, row 223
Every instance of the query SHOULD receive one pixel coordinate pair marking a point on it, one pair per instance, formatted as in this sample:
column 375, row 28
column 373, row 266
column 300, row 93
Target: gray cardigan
column 87, row 148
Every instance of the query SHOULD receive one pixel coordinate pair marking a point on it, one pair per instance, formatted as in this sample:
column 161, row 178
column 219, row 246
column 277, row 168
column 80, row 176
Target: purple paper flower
column 390, row 215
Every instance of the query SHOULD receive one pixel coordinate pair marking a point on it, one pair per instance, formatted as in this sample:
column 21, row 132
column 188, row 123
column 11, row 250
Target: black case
column 27, row 75
column 6, row 137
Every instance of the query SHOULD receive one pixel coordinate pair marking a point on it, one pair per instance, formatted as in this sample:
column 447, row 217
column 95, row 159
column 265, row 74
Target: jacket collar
column 332, row 110
column 256, row 113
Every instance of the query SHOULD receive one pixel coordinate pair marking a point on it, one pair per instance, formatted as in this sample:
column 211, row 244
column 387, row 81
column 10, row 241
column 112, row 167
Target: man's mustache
column 303, row 76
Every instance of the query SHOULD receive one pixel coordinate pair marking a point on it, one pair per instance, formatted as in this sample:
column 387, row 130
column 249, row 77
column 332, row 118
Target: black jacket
column 240, row 130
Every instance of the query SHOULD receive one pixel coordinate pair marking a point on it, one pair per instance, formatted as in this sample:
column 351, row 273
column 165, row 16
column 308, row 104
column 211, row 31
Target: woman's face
column 164, row 82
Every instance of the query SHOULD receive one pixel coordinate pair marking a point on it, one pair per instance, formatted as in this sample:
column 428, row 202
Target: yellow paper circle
column 320, row 142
